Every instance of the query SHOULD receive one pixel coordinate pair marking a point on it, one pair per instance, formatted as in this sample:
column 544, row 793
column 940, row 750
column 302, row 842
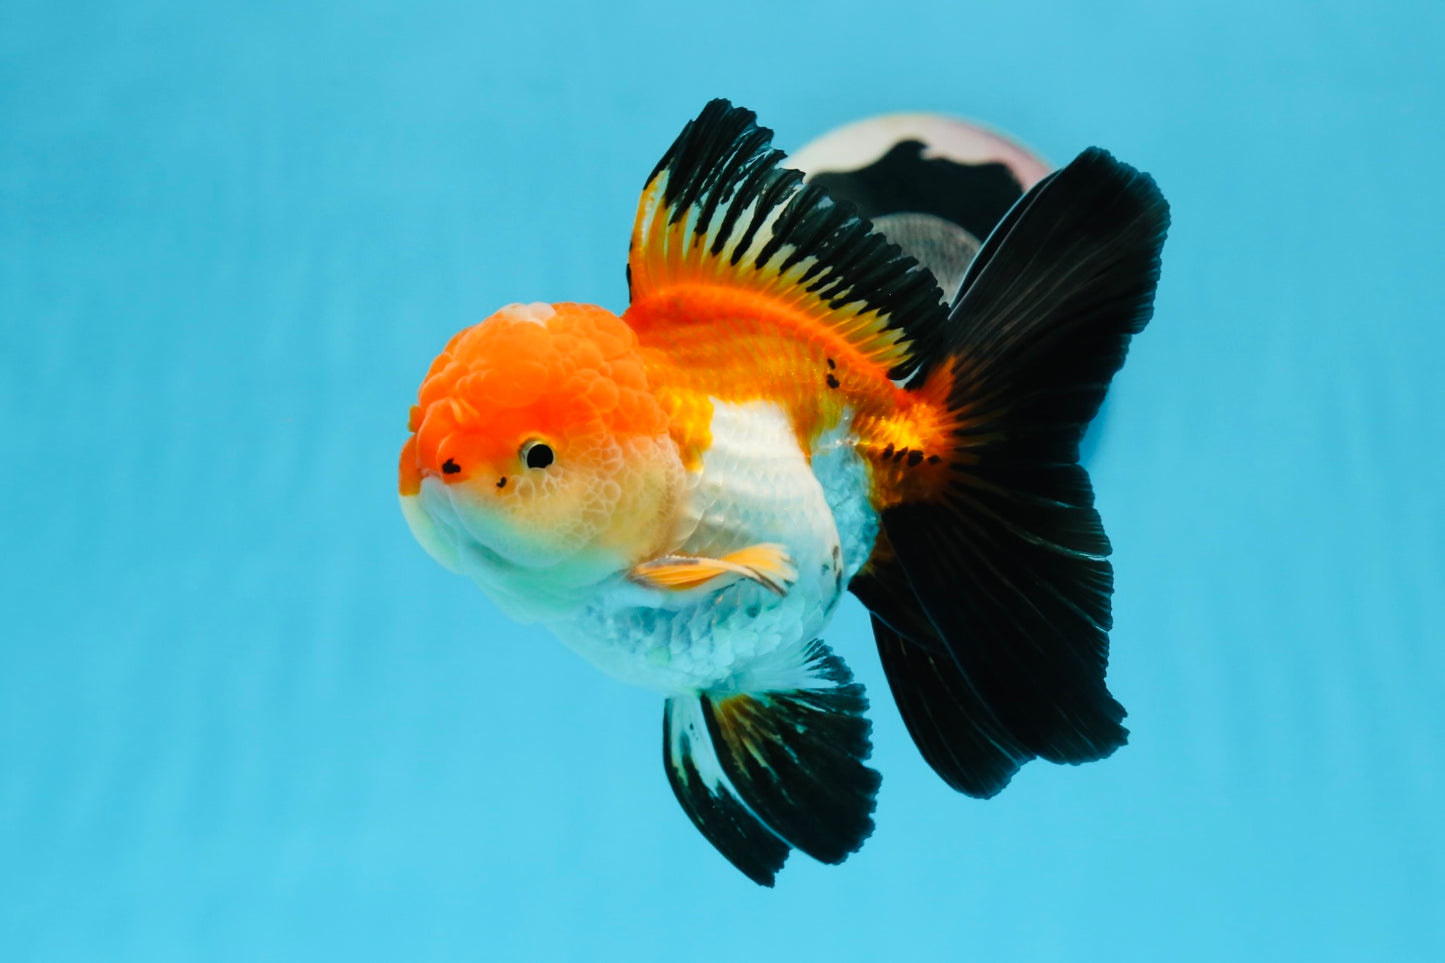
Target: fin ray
column 766, row 563
column 788, row 761
column 796, row 756
column 710, row 801
column 957, row 733
column 1040, row 325
column 719, row 210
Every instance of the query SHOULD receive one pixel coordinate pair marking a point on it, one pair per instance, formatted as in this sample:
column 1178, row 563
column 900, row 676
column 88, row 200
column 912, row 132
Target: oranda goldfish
column 788, row 409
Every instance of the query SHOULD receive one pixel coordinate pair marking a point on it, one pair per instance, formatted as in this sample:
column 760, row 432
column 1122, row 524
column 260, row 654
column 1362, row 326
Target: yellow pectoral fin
column 766, row 564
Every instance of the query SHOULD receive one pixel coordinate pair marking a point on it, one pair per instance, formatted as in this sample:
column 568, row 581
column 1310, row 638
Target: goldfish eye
column 537, row 454
column 450, row 467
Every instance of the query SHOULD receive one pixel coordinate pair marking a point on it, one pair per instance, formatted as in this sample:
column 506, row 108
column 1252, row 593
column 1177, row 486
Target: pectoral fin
column 767, row 564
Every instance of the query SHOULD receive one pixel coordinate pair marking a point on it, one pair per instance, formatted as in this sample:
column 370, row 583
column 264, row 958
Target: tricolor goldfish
column 787, row 409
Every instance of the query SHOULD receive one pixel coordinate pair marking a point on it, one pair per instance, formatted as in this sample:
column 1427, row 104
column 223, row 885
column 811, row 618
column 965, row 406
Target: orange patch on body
column 705, row 341
column 910, row 449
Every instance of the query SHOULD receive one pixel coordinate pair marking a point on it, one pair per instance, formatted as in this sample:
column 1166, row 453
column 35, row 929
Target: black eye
column 450, row 467
column 537, row 454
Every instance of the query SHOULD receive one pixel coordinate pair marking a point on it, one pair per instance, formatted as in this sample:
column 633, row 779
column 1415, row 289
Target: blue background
column 243, row 717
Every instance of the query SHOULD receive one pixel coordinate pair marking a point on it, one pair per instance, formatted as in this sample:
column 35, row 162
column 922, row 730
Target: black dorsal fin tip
column 750, row 222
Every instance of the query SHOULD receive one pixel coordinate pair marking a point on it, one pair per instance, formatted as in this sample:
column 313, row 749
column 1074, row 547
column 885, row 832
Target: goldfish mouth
column 527, row 578
column 477, row 538
column 433, row 521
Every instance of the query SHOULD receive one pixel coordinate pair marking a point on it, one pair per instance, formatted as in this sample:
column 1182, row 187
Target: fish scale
column 756, row 485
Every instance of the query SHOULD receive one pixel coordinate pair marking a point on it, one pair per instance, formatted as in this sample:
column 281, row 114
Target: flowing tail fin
column 777, row 765
column 998, row 578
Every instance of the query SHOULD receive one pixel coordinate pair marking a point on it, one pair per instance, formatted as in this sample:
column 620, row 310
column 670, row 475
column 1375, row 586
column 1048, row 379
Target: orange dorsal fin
column 720, row 213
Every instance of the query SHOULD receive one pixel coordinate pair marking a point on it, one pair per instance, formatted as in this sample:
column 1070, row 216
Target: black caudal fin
column 955, row 730
column 1009, row 560
column 776, row 767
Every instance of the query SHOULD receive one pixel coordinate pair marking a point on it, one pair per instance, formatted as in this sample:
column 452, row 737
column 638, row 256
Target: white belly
column 755, row 486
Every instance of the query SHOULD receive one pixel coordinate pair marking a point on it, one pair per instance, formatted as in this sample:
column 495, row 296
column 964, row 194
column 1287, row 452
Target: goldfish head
column 538, row 458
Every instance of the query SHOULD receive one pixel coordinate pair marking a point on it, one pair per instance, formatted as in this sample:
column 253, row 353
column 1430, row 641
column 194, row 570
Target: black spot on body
column 832, row 364
column 888, row 452
column 914, row 457
column 450, row 467
column 832, row 381
column 502, row 482
column 934, row 459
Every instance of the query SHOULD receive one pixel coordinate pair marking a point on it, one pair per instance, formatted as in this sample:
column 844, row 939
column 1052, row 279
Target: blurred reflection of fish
column 934, row 185
column 786, row 409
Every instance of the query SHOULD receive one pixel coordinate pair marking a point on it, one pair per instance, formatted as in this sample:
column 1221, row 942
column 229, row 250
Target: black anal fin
column 780, row 767
column 709, row 800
